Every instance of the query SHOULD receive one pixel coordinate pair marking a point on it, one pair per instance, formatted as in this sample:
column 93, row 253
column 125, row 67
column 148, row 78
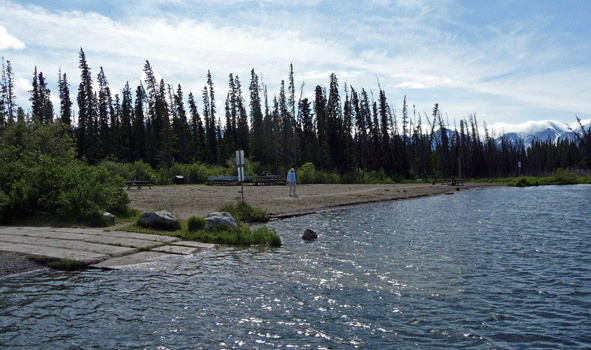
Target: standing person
column 291, row 181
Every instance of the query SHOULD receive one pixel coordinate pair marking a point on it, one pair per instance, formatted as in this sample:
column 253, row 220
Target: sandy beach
column 185, row 201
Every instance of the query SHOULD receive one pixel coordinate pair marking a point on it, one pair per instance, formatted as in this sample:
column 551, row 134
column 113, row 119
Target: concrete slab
column 133, row 259
column 97, row 247
column 54, row 252
column 175, row 249
column 144, row 236
column 113, row 250
column 194, row 244
column 82, row 233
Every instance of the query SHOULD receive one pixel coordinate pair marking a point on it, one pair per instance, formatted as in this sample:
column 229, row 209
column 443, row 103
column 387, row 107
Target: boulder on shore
column 220, row 218
column 109, row 218
column 309, row 235
column 162, row 219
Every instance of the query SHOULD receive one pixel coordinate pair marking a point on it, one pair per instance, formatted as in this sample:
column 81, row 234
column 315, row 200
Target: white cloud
column 8, row 41
column 507, row 72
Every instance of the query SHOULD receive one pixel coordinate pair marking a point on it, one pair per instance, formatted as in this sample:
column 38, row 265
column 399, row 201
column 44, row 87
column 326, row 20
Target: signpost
column 240, row 165
column 519, row 166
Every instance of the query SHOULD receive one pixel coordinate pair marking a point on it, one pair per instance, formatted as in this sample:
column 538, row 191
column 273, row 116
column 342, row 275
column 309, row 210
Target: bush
column 564, row 177
column 308, row 174
column 196, row 223
column 244, row 212
column 39, row 176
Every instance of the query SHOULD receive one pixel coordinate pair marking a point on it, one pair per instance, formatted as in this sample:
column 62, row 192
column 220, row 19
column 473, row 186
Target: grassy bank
column 559, row 177
column 195, row 229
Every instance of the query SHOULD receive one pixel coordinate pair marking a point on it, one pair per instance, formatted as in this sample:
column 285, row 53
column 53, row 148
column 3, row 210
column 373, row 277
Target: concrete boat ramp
column 97, row 248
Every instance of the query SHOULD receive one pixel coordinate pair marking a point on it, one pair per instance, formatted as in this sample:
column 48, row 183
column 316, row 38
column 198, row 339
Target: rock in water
column 162, row 219
column 220, row 218
column 309, row 235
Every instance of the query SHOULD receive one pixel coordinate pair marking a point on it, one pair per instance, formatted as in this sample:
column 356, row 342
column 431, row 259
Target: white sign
column 240, row 158
column 240, row 174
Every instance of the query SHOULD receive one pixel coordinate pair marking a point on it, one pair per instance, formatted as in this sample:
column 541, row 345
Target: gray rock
column 109, row 218
column 309, row 235
column 220, row 218
column 161, row 219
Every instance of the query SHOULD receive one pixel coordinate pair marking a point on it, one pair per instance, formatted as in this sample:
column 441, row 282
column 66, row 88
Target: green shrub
column 138, row 170
column 564, row 177
column 244, row 212
column 196, row 223
column 40, row 176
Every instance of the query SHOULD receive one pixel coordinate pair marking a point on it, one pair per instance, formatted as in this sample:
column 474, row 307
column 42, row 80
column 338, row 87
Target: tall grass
column 195, row 229
column 243, row 235
column 244, row 212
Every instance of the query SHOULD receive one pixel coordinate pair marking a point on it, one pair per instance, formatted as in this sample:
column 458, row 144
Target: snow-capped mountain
column 542, row 131
column 527, row 132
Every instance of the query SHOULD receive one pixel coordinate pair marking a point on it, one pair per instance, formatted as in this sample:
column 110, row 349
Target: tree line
column 351, row 134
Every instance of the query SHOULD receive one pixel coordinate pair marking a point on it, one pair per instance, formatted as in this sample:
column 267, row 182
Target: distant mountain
column 544, row 131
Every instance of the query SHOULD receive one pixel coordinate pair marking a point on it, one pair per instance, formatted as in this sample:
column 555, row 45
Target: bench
column 138, row 184
column 270, row 180
column 227, row 180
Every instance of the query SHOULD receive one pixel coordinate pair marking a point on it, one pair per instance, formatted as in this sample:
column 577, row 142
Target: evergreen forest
column 344, row 130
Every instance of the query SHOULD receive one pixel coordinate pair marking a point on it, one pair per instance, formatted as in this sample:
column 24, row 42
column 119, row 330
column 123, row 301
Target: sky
column 509, row 63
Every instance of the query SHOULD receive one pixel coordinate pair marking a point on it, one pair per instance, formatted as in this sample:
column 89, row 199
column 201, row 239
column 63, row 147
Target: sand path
column 185, row 201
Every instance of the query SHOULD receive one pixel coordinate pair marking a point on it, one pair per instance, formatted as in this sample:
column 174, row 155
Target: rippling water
column 502, row 268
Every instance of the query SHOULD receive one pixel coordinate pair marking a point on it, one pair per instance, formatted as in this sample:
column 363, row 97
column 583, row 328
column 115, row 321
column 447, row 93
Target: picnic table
column 227, row 180
column 454, row 182
column 269, row 180
column 138, row 184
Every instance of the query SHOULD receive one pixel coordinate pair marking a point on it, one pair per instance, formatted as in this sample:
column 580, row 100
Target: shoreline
column 185, row 201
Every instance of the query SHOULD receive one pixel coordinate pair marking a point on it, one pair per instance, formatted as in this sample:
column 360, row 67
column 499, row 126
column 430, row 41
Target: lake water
column 496, row 268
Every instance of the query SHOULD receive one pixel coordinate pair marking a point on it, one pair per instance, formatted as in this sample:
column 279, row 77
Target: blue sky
column 507, row 62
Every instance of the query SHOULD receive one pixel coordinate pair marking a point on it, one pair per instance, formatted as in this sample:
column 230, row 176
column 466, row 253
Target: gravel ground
column 14, row 263
column 184, row 201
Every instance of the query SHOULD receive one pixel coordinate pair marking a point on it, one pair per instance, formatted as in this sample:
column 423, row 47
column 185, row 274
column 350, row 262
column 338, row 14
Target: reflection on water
column 493, row 268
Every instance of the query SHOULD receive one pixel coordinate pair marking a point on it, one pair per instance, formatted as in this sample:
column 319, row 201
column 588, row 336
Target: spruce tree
column 241, row 119
column 335, row 132
column 197, row 132
column 257, row 143
column 138, row 139
column 104, row 115
column 180, row 127
column 65, row 101
column 230, row 136
column 211, row 136
column 286, row 142
column 3, row 93
column 86, row 106
column 8, row 106
column 309, row 141
column 47, row 110
column 126, row 130
column 36, row 102
column 321, row 128
column 41, row 105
